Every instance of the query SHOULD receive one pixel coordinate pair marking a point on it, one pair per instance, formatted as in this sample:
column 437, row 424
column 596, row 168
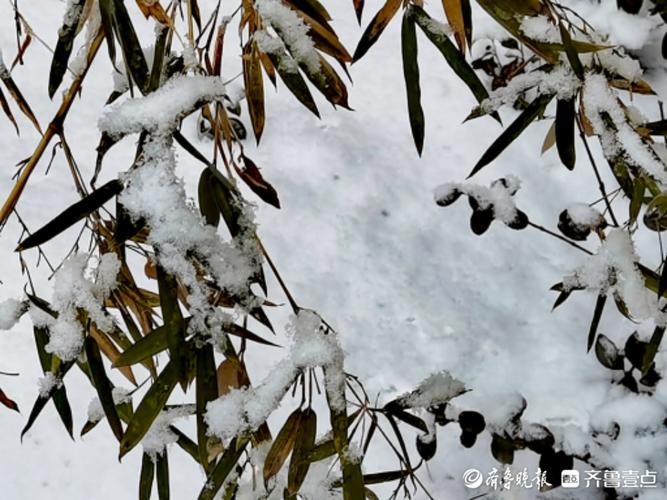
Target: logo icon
column 472, row 478
column 569, row 478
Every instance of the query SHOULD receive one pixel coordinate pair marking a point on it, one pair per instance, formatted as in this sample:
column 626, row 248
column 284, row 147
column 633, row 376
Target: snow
column 584, row 215
column 291, row 30
column 410, row 290
column 47, row 384
column 540, row 28
column 244, row 410
column 11, row 311
column 160, row 436
column 73, row 291
column 437, row 389
column 613, row 270
column 498, row 196
column 120, row 395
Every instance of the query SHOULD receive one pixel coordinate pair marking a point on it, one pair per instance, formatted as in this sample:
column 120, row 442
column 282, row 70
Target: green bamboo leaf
column 149, row 408
column 162, row 474
column 571, row 52
column 153, row 343
column 103, row 386
column 222, row 469
column 72, row 215
column 597, row 314
column 565, row 121
column 652, row 349
column 303, row 445
column 662, row 284
column 146, row 478
column 207, row 390
column 452, row 55
column 63, row 49
column 186, row 444
column 514, row 130
column 171, row 315
column 288, row 71
column 411, row 74
column 207, row 205
column 637, row 199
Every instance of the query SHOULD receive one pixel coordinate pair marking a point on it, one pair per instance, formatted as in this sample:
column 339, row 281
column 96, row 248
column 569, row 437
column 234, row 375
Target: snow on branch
column 313, row 344
column 617, row 136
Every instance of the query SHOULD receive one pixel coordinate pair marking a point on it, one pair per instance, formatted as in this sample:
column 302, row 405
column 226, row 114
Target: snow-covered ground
column 408, row 286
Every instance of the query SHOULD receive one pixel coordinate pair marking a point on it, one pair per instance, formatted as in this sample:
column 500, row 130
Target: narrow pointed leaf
column 411, row 75
column 282, row 445
column 452, row 55
column 64, row 46
column 207, row 205
column 7, row 110
column 454, row 10
column 597, row 314
column 4, row 399
column 206, row 391
column 571, row 52
column 252, row 176
column 72, row 215
column 254, row 88
column 652, row 349
column 171, row 315
column 376, row 27
column 103, row 386
column 513, row 131
column 565, row 122
column 303, row 445
column 149, row 408
column 146, row 478
column 222, row 469
column 162, row 475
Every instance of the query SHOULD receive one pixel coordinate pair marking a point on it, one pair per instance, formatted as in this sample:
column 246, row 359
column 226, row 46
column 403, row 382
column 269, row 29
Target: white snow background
column 410, row 289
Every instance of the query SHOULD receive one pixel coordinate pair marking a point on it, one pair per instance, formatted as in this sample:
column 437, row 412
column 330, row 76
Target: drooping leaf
column 171, row 315
column 452, row 55
column 597, row 315
column 153, row 343
column 149, row 408
column 63, row 49
column 458, row 12
column 7, row 110
column 72, row 215
column 103, row 386
column 252, row 176
column 207, row 205
column 162, row 475
column 571, row 52
column 206, row 391
column 514, row 130
column 4, row 400
column 411, row 75
column 222, row 469
column 303, row 445
column 376, row 27
column 282, row 446
column 146, row 478
column 293, row 79
column 637, row 199
column 254, row 87
column 17, row 95
column 635, row 350
column 565, row 122
column 652, row 349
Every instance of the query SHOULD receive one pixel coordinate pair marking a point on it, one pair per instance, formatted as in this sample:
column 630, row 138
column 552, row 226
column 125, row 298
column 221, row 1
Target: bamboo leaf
column 514, row 130
column 652, row 349
column 63, row 49
column 153, row 343
column 597, row 314
column 454, row 10
column 103, row 386
column 550, row 138
column 282, row 445
column 18, row 96
column 303, row 445
column 452, row 55
column 607, row 353
column 222, row 469
column 252, row 176
column 8, row 112
column 571, row 52
column 206, row 391
column 289, row 74
column 207, row 205
column 72, row 215
column 171, row 315
column 411, row 75
column 254, row 87
column 637, row 199
column 565, row 120
column 146, row 478
column 149, row 408
column 376, row 27
column 162, row 475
